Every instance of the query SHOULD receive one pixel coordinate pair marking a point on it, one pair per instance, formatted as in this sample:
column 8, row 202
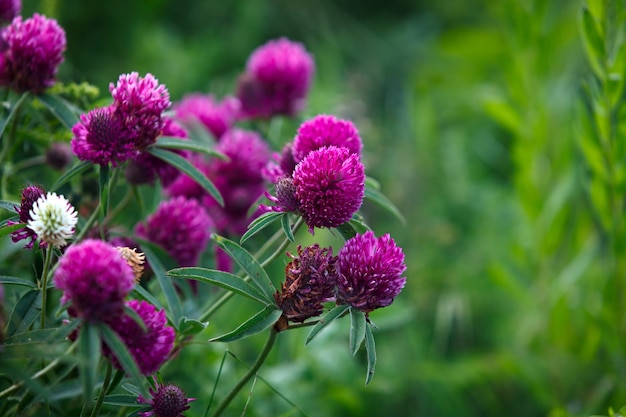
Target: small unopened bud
column 286, row 194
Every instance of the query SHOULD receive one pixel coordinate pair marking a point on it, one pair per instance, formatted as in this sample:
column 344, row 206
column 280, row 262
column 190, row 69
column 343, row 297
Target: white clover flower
column 53, row 219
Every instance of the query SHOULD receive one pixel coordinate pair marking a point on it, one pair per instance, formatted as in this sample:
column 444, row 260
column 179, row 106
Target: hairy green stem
column 251, row 372
column 44, row 284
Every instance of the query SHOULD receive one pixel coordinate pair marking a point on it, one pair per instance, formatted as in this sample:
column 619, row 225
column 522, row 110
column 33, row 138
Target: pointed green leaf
column 123, row 400
column 89, row 350
column 375, row 196
column 5, row 122
column 17, row 281
column 25, row 312
column 351, row 228
column 10, row 229
column 124, row 357
column 66, row 112
column 185, row 166
column 261, row 321
column 259, row 224
column 77, row 169
column 154, row 254
column 9, row 206
column 250, row 265
column 593, row 41
column 191, row 327
column 286, row 224
column 167, row 142
column 142, row 293
column 370, row 347
column 221, row 279
column 357, row 329
column 328, row 318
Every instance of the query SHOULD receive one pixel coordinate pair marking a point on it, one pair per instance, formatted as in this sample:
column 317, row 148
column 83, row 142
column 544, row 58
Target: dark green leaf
column 9, row 206
column 17, row 281
column 77, row 169
column 185, row 166
column 26, row 311
column 286, row 224
column 103, row 183
column 5, row 122
column 259, row 224
column 375, row 196
column 46, row 336
column 370, row 346
column 167, row 142
column 90, row 345
column 357, row 329
column 335, row 312
column 261, row 321
column 62, row 110
column 154, row 254
column 250, row 265
column 191, row 327
column 351, row 228
column 124, row 357
column 141, row 292
column 123, row 400
column 221, row 279
column 10, row 229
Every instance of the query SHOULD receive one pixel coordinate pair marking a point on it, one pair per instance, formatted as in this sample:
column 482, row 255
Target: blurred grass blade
column 103, row 182
column 325, row 321
column 373, row 194
column 250, row 265
column 77, row 169
column 124, row 357
column 357, row 329
column 62, row 109
column 593, row 41
column 261, row 321
column 167, row 142
column 370, row 347
column 185, row 166
column 259, row 224
column 17, row 281
column 5, row 122
column 221, row 279
column 284, row 221
column 123, row 400
column 25, row 312
column 89, row 350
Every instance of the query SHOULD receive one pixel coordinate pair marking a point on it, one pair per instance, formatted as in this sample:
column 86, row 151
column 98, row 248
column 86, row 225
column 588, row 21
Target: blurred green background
column 469, row 112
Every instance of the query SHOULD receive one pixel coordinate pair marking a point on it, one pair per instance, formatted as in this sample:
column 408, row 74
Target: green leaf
column 259, row 224
column 594, row 44
column 66, row 112
column 17, row 281
column 261, row 321
column 141, row 292
column 328, row 318
column 286, row 224
column 77, row 169
column 370, row 347
column 123, row 356
column 123, row 400
column 357, row 329
column 10, row 229
column 351, row 228
column 45, row 336
column 25, row 312
column 185, row 166
column 250, row 265
column 375, row 196
column 103, row 186
column 167, row 142
column 89, row 350
column 153, row 255
column 5, row 122
column 191, row 327
column 228, row 281
column 9, row 206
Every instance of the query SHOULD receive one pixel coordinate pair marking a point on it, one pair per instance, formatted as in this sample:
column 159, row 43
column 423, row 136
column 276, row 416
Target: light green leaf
column 370, row 347
column 167, row 142
column 89, row 351
column 357, row 329
column 594, row 44
column 261, row 321
column 250, row 265
column 67, row 113
column 191, row 327
column 185, row 166
column 259, row 224
column 328, row 318
column 221, row 279
column 286, row 224
column 375, row 196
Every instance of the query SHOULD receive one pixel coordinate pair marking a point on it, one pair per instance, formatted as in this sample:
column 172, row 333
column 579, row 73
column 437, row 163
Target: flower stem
column 44, row 284
column 279, row 250
column 103, row 391
column 251, row 372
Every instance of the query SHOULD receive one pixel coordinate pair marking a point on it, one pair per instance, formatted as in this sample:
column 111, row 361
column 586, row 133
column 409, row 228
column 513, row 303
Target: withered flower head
column 133, row 258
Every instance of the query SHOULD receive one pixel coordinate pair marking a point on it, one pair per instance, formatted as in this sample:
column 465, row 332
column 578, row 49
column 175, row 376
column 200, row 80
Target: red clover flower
column 30, row 195
column 325, row 130
column 168, row 400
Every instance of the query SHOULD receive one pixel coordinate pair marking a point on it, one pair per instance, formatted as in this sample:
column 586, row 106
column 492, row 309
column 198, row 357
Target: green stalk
column 251, row 372
column 103, row 391
column 44, row 284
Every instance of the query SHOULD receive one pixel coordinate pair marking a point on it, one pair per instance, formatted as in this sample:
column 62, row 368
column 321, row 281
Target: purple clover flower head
column 277, row 79
column 139, row 102
column 59, row 155
column 310, row 280
column 330, row 185
column 95, row 279
column 325, row 130
column 248, row 154
column 180, row 226
column 32, row 52
column 145, row 168
column 168, row 400
column 100, row 137
column 9, row 9
column 285, row 200
column 30, row 195
column 370, row 272
column 150, row 347
column 216, row 116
